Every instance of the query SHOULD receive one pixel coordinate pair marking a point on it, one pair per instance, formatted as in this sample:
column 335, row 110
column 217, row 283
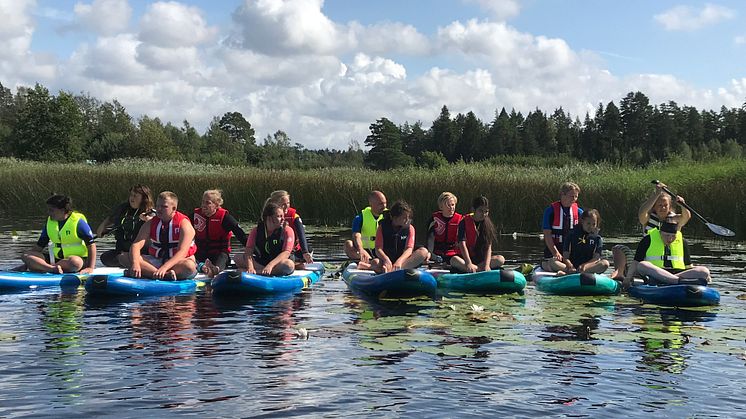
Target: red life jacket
column 209, row 235
column 165, row 247
column 561, row 228
column 446, row 234
column 470, row 228
column 290, row 217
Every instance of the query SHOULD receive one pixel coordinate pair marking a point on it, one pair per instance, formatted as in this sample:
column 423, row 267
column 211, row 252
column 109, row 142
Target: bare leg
column 71, row 264
column 646, row 268
column 416, row 258
column 497, row 261
column 598, row 267
column 696, row 272
column 458, row 263
column 351, row 251
column 553, row 265
column 35, row 262
column 184, row 269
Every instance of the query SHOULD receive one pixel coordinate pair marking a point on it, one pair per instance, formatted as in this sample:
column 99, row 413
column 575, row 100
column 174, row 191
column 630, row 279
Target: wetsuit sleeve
column 431, row 225
column 357, row 224
column 599, row 246
column 43, row 238
column 230, row 224
column 85, row 232
column 251, row 241
column 289, row 237
column 462, row 230
column 642, row 249
column 300, row 229
column 410, row 239
column 546, row 222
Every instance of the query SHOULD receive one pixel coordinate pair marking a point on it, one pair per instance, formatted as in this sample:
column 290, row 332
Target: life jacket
column 126, row 226
column 656, row 253
column 66, row 240
column 394, row 242
column 290, row 215
column 562, row 225
column 369, row 228
column 164, row 247
column 470, row 228
column 266, row 247
column 446, row 234
column 209, row 235
column 654, row 221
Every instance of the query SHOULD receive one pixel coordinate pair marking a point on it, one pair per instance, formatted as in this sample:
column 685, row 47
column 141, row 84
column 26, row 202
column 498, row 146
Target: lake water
column 530, row 355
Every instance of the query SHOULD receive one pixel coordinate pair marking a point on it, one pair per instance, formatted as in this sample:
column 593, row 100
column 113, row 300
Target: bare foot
column 57, row 269
column 210, row 269
column 561, row 273
column 172, row 274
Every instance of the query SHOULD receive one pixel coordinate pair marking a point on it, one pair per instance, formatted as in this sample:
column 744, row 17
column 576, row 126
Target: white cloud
column 388, row 37
column 289, row 27
column 18, row 64
column 174, row 25
column 105, row 17
column 687, row 18
column 740, row 40
column 500, row 9
column 112, row 60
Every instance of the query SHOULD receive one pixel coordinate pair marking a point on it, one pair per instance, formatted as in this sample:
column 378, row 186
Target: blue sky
column 324, row 70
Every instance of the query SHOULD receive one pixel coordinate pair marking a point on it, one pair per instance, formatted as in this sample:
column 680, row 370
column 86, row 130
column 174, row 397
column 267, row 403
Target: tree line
column 35, row 125
column 39, row 126
column 633, row 133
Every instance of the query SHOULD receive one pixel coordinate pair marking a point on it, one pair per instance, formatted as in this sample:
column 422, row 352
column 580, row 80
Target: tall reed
column 518, row 193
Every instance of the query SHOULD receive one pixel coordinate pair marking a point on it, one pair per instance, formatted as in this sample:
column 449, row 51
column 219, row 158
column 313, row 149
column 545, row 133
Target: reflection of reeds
column 518, row 193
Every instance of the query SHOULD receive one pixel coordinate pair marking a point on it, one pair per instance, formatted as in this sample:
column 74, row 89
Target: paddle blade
column 720, row 230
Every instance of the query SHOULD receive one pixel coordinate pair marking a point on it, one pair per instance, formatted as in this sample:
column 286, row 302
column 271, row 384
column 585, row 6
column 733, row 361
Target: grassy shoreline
column 518, row 193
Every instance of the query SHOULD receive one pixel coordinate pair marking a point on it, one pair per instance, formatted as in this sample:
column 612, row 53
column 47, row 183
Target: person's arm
column 86, row 234
column 431, row 236
column 643, row 214
column 185, row 241
column 289, row 243
column 231, row 224
column 301, row 229
column 685, row 215
column 357, row 238
column 249, row 251
column 407, row 250
column 487, row 258
column 105, row 225
column 546, row 226
column 136, row 248
column 382, row 256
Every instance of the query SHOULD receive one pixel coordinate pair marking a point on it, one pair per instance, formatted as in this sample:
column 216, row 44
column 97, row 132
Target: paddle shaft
column 683, row 204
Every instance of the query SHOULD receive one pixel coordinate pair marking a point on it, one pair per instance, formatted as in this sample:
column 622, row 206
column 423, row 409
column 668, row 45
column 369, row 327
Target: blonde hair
column 169, row 195
column 568, row 187
column 275, row 196
column 445, row 197
column 214, row 195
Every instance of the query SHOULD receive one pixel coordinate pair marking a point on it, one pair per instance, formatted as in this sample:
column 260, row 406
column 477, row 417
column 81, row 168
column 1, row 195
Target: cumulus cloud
column 289, row 26
column 687, row 18
column 174, row 25
column 500, row 9
column 18, row 64
column 390, row 37
column 105, row 17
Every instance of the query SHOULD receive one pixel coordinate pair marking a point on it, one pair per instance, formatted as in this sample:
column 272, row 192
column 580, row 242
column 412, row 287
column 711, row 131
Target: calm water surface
column 530, row 355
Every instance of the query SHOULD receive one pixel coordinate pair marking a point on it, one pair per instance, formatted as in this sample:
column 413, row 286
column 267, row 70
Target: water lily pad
column 448, row 350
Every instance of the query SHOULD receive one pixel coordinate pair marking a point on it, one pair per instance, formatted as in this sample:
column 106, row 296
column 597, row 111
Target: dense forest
column 36, row 125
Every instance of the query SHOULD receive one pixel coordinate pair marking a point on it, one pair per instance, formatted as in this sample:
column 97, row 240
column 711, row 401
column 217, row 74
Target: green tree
column 444, row 135
column 151, row 142
column 385, row 146
column 218, row 147
column 471, row 144
column 636, row 112
column 610, row 135
column 237, row 127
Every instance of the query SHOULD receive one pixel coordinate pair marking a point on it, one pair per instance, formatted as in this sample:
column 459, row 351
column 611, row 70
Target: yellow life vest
column 368, row 228
column 656, row 251
column 66, row 241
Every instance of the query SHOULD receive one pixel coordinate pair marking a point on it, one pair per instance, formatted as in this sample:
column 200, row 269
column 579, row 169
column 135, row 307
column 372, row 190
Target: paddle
column 719, row 230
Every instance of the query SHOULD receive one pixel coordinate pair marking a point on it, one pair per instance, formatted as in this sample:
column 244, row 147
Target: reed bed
column 518, row 193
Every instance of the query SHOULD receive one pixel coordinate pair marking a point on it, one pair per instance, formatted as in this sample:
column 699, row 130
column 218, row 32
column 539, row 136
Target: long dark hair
column 147, row 197
column 486, row 234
